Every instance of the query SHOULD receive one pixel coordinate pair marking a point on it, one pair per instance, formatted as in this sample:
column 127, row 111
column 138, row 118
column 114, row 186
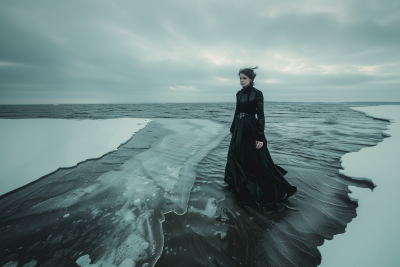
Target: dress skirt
column 250, row 173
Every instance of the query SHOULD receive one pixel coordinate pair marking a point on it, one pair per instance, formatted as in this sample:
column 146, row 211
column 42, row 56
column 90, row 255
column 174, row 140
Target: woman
column 250, row 172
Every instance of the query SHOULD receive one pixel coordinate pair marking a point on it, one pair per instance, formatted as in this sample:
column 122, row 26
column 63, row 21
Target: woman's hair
column 249, row 72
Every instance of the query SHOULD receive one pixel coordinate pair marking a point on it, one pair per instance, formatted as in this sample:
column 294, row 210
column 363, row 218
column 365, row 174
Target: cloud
column 185, row 88
column 184, row 50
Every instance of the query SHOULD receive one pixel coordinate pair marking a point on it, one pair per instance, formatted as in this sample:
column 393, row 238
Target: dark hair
column 249, row 72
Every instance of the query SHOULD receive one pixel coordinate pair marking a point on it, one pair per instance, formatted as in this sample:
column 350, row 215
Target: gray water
column 307, row 139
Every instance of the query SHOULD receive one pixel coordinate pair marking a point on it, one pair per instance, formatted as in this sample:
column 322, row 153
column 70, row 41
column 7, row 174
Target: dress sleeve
column 236, row 113
column 260, row 116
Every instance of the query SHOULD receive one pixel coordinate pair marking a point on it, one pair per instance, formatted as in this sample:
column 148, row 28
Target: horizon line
column 119, row 103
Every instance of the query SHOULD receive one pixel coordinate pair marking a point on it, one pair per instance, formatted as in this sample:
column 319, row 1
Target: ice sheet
column 372, row 239
column 32, row 148
column 113, row 216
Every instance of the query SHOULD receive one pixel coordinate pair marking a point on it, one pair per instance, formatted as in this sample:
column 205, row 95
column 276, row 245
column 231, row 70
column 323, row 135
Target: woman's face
column 244, row 80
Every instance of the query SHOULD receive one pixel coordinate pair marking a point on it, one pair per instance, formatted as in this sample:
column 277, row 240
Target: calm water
column 307, row 139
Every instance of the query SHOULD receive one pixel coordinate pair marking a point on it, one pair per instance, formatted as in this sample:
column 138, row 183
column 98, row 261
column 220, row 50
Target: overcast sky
column 191, row 50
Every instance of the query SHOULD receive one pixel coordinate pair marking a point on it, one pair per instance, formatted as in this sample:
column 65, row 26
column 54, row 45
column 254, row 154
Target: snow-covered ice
column 32, row 148
column 373, row 237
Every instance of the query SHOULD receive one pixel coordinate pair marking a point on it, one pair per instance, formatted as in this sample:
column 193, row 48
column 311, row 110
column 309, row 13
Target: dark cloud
column 179, row 51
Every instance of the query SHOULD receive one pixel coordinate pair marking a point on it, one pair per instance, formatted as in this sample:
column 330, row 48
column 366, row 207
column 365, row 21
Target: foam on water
column 32, row 148
column 374, row 232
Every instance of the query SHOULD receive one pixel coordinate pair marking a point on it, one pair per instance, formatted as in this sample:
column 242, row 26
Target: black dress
column 251, row 173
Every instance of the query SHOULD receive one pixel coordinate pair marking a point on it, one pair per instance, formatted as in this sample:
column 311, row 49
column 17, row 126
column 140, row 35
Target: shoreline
column 35, row 148
column 371, row 239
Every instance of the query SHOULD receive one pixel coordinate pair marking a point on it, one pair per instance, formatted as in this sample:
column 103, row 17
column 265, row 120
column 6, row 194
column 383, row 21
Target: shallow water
column 307, row 139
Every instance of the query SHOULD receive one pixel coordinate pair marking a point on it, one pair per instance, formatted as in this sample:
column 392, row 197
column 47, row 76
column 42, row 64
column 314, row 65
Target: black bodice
column 251, row 101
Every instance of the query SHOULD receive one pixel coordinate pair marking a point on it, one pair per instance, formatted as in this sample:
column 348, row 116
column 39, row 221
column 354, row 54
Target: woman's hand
column 259, row 144
column 231, row 134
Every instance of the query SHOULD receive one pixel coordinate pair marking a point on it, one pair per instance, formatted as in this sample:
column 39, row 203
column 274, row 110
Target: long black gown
column 251, row 173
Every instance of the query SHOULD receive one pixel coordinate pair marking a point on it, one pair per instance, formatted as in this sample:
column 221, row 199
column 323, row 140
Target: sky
column 55, row 52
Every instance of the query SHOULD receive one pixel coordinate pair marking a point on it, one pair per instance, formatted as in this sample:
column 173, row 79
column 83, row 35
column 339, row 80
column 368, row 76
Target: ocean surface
column 67, row 216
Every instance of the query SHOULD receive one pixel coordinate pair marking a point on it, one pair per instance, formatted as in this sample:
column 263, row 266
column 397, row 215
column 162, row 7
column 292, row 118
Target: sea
column 121, row 209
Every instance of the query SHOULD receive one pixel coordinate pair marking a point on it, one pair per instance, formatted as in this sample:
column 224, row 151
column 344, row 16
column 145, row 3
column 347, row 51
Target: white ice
column 210, row 210
column 373, row 237
column 32, row 148
column 163, row 173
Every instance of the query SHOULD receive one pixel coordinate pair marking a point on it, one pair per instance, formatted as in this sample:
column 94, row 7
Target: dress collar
column 248, row 88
